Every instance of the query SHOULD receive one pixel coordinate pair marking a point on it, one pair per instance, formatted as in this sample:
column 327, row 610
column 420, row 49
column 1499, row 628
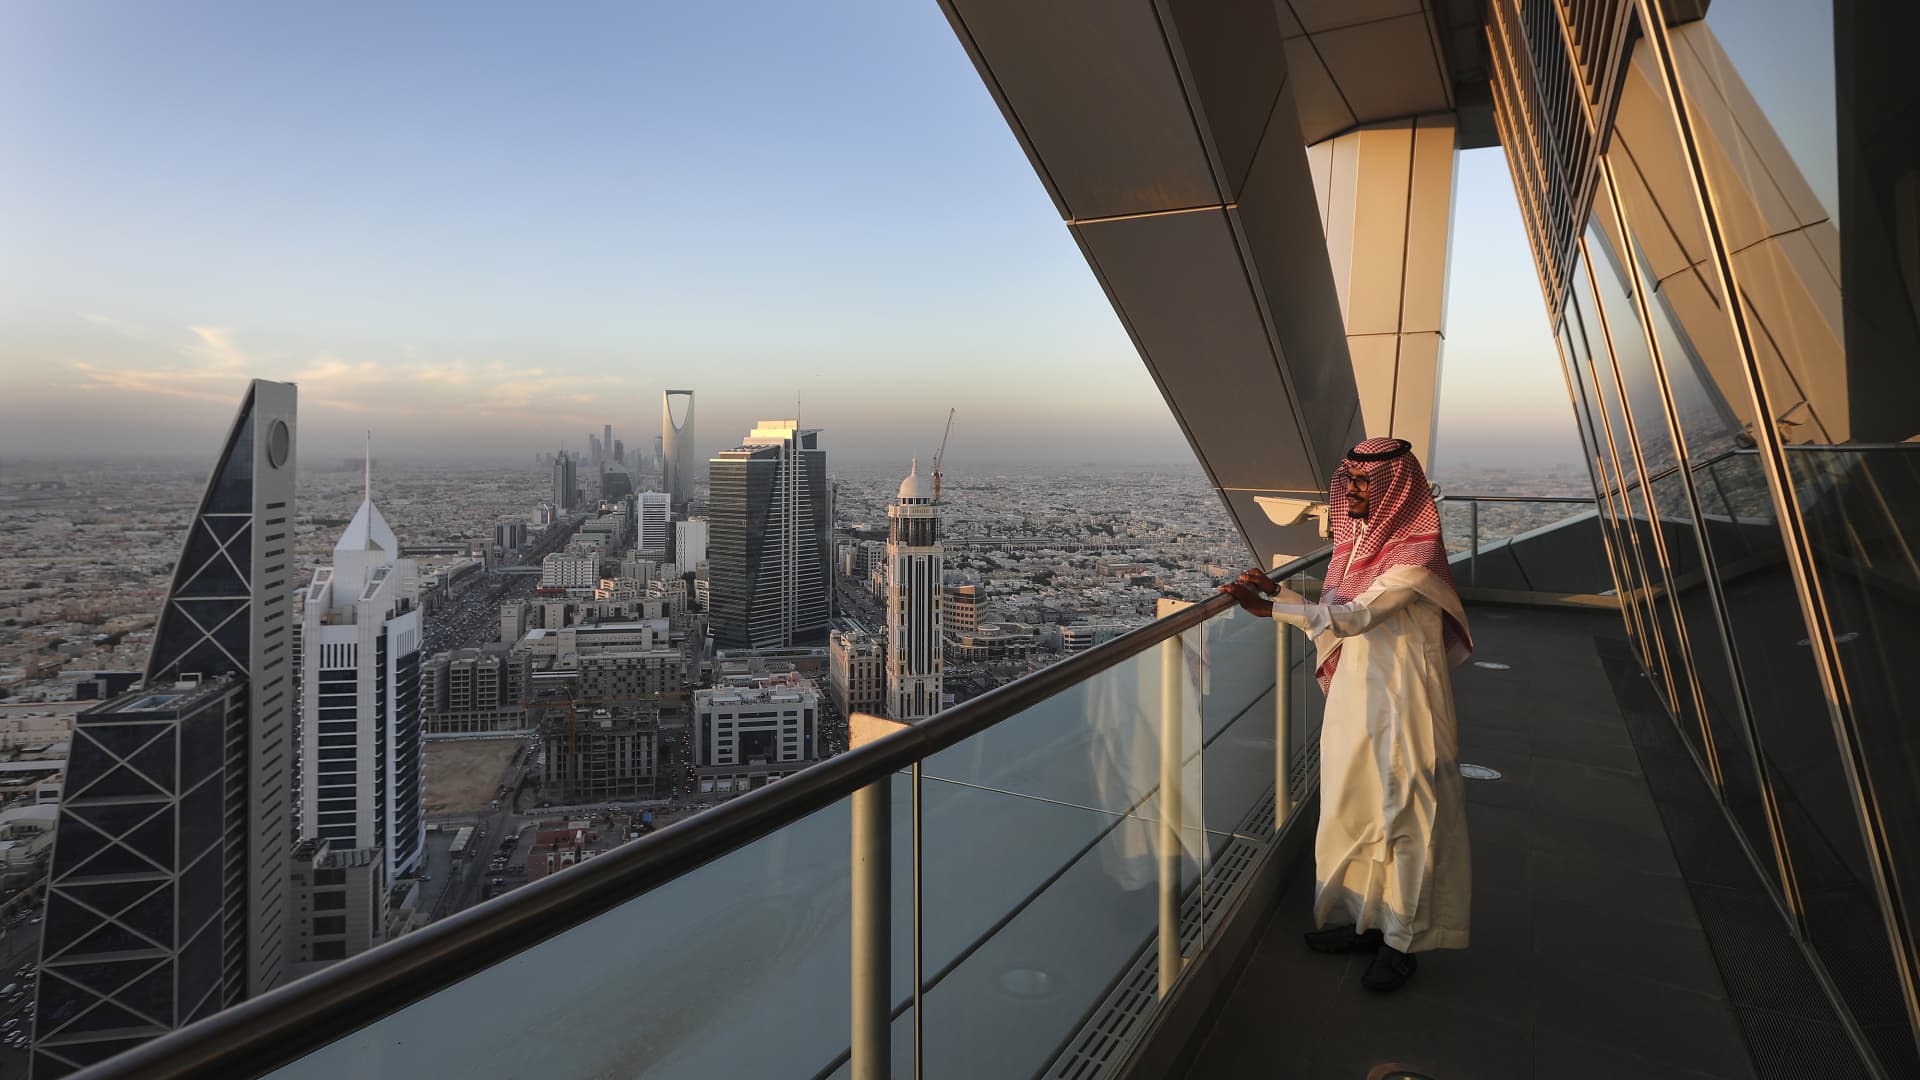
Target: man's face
column 1359, row 495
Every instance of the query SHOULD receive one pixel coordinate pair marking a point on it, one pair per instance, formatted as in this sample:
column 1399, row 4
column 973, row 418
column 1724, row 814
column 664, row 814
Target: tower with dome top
column 916, row 562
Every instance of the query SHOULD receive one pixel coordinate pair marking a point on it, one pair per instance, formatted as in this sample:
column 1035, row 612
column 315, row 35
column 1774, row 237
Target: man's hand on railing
column 1259, row 579
column 1247, row 589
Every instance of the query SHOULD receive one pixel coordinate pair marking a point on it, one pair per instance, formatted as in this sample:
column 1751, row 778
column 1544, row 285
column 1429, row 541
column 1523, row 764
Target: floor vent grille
column 1104, row 1041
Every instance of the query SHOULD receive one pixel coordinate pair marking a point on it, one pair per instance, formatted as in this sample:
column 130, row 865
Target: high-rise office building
column 656, row 521
column 916, row 659
column 676, row 448
column 595, row 452
column 768, row 552
column 606, row 443
column 166, row 895
column 690, row 543
column 566, row 483
column 619, row 452
column 362, row 740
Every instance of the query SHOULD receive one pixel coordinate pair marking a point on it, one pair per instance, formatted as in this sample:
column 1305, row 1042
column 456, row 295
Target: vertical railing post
column 919, row 950
column 1171, row 706
column 872, row 967
column 1473, row 555
column 1282, row 725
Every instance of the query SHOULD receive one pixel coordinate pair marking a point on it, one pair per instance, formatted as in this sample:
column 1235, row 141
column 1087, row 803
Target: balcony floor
column 1589, row 958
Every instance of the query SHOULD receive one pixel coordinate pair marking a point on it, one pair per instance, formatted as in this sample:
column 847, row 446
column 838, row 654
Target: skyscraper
column 619, row 452
column 768, row 552
column 915, row 657
column 362, row 741
column 566, row 482
column 606, row 443
column 676, row 449
column 165, row 901
column 656, row 522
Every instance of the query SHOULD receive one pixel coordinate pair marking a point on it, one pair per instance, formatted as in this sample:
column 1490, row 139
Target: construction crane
column 942, row 454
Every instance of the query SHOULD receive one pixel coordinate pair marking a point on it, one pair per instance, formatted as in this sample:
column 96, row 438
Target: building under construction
column 601, row 754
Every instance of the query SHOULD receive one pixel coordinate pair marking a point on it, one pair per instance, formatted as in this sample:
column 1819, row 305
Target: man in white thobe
column 1391, row 853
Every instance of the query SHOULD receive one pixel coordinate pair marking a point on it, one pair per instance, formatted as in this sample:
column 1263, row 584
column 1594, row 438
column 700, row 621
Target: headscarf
column 1402, row 528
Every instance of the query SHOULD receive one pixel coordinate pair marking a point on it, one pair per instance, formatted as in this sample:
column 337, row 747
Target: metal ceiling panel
column 1387, row 70
column 1225, row 49
column 1178, row 281
column 1323, row 112
column 1092, row 90
column 1316, row 16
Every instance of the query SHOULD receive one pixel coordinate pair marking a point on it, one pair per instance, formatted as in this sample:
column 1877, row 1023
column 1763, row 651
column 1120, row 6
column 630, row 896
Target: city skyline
column 453, row 301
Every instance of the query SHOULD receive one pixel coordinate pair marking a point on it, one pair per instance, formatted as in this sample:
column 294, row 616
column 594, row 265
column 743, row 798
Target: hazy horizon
column 491, row 235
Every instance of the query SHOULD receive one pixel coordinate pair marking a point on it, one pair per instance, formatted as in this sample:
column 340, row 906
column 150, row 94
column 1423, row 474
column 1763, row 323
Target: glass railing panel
column 1305, row 702
column 1505, row 517
column 1048, row 837
column 1862, row 509
column 1047, row 845
column 1236, row 654
column 756, row 941
column 1547, row 543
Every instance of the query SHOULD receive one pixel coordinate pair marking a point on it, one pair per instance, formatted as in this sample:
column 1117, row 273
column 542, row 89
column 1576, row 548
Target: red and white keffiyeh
column 1402, row 528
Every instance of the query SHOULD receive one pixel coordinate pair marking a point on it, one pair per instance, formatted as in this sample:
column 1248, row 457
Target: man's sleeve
column 1347, row 620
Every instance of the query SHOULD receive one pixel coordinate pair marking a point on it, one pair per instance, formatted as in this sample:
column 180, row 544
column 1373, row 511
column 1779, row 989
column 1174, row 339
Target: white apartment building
column 570, row 570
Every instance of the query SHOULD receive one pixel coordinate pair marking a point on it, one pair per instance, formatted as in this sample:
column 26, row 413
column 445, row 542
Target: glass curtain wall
column 1757, row 465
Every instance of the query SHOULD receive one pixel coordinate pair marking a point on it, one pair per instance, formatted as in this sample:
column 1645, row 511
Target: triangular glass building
column 166, row 896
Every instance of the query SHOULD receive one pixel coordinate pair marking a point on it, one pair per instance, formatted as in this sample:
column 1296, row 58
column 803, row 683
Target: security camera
column 1284, row 512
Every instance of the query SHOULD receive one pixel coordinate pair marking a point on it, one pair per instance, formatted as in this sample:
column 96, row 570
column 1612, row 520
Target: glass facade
column 1754, row 465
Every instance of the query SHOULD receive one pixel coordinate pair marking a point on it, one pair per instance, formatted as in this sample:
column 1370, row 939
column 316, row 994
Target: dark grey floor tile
column 1638, row 1017
column 1598, row 794
column 1497, row 837
column 1610, row 886
column 1422, row 1027
column 1574, row 835
column 1625, row 943
column 1570, row 746
column 1563, row 1056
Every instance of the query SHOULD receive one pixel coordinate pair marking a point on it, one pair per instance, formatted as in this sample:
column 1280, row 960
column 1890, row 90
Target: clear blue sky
column 487, row 229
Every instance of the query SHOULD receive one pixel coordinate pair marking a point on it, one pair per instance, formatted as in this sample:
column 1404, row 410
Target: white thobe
column 1391, row 852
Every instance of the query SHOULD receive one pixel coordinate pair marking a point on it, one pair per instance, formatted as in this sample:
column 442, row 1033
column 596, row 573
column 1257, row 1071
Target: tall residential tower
column 915, row 562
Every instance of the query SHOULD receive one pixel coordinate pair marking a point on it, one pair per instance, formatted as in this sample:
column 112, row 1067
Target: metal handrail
column 290, row 1021
column 1584, row 499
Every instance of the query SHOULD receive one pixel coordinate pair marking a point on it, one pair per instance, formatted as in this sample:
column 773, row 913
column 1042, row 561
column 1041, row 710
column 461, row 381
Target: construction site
column 600, row 753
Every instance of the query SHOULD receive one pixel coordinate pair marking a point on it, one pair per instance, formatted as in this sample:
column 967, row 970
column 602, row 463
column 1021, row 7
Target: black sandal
column 1342, row 939
column 1390, row 970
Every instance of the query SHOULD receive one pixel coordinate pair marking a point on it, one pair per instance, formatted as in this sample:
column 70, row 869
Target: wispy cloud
column 210, row 359
column 217, row 347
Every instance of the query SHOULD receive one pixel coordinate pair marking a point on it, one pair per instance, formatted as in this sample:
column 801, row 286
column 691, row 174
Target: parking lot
column 19, row 952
